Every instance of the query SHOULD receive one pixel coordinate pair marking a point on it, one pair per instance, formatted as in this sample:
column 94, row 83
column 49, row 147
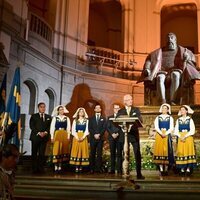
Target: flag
column 13, row 107
column 2, row 105
column 3, row 95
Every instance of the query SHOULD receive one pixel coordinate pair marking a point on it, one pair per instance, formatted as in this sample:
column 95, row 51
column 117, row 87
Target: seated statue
column 170, row 68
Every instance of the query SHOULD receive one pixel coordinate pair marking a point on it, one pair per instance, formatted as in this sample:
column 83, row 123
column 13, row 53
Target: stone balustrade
column 104, row 59
column 40, row 27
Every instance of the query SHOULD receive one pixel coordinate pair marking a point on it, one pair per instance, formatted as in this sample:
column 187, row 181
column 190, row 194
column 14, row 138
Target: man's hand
column 42, row 134
column 97, row 136
column 115, row 135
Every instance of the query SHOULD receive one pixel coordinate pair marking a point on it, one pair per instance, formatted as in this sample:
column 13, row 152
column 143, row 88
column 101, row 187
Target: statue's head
column 171, row 41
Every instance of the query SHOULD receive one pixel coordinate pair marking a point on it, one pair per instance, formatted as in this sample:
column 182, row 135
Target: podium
column 125, row 122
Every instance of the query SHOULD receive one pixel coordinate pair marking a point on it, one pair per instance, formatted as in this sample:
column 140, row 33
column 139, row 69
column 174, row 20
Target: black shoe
column 91, row 171
column 112, row 172
column 140, row 177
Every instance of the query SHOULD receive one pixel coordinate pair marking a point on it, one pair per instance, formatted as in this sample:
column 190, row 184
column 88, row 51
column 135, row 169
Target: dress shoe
column 112, row 172
column 140, row 177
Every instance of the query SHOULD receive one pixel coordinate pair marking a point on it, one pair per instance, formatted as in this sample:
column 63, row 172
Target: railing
column 40, row 27
column 107, row 57
column 103, row 52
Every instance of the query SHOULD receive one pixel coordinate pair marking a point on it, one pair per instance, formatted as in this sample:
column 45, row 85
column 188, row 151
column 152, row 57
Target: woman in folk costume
column 163, row 151
column 60, row 135
column 80, row 150
column 184, row 130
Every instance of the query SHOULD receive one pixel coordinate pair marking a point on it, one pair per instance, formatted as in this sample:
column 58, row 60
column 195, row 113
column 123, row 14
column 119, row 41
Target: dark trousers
column 38, row 154
column 136, row 150
column 116, row 149
column 96, row 151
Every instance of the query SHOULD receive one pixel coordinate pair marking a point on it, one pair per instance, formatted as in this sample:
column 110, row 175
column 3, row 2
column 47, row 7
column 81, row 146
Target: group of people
column 82, row 153
column 185, row 158
column 88, row 138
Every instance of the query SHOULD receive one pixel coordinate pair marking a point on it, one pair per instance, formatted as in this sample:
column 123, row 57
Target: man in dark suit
column 40, row 134
column 97, row 127
column 116, row 141
column 133, row 134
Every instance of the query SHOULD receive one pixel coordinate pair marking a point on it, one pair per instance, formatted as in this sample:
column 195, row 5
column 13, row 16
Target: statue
column 170, row 68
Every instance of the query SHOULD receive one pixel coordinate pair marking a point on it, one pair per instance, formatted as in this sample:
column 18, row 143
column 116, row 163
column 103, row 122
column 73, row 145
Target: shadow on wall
column 81, row 97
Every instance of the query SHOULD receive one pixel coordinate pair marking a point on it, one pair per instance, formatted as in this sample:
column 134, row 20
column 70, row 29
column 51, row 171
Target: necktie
column 128, row 110
column 42, row 117
column 97, row 118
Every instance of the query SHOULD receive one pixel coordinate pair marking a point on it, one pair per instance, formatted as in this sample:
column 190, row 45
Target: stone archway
column 31, row 95
column 51, row 99
column 159, row 4
column 180, row 19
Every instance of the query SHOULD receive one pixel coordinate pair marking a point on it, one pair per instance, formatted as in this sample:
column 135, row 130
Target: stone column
column 56, row 31
column 128, row 35
column 62, row 29
column 127, row 25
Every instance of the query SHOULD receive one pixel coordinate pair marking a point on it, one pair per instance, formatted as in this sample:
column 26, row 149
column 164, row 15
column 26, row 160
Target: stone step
column 60, row 187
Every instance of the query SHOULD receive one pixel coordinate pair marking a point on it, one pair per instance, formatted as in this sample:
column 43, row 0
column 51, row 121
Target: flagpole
column 3, row 127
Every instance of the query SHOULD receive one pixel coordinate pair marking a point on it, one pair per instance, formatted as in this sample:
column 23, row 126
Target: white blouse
column 74, row 133
column 171, row 125
column 192, row 126
column 53, row 123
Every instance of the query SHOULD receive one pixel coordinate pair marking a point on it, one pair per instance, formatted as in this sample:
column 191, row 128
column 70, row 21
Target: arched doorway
column 51, row 100
column 180, row 19
column 104, row 28
column 30, row 95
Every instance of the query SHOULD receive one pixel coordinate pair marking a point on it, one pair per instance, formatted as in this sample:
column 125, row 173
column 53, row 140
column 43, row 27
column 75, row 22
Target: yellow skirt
column 185, row 153
column 160, row 155
column 60, row 146
column 79, row 151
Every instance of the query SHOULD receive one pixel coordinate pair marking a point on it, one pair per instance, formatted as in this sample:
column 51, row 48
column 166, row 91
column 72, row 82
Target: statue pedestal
column 125, row 122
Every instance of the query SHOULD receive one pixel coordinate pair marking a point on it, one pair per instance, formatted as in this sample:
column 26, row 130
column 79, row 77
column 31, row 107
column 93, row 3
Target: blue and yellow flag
column 3, row 95
column 13, row 105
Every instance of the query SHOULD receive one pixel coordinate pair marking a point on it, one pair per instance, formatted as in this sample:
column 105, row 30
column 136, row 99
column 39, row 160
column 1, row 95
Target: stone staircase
column 72, row 186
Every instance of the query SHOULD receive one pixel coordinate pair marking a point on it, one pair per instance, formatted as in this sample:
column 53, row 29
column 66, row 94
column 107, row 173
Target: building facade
column 80, row 52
